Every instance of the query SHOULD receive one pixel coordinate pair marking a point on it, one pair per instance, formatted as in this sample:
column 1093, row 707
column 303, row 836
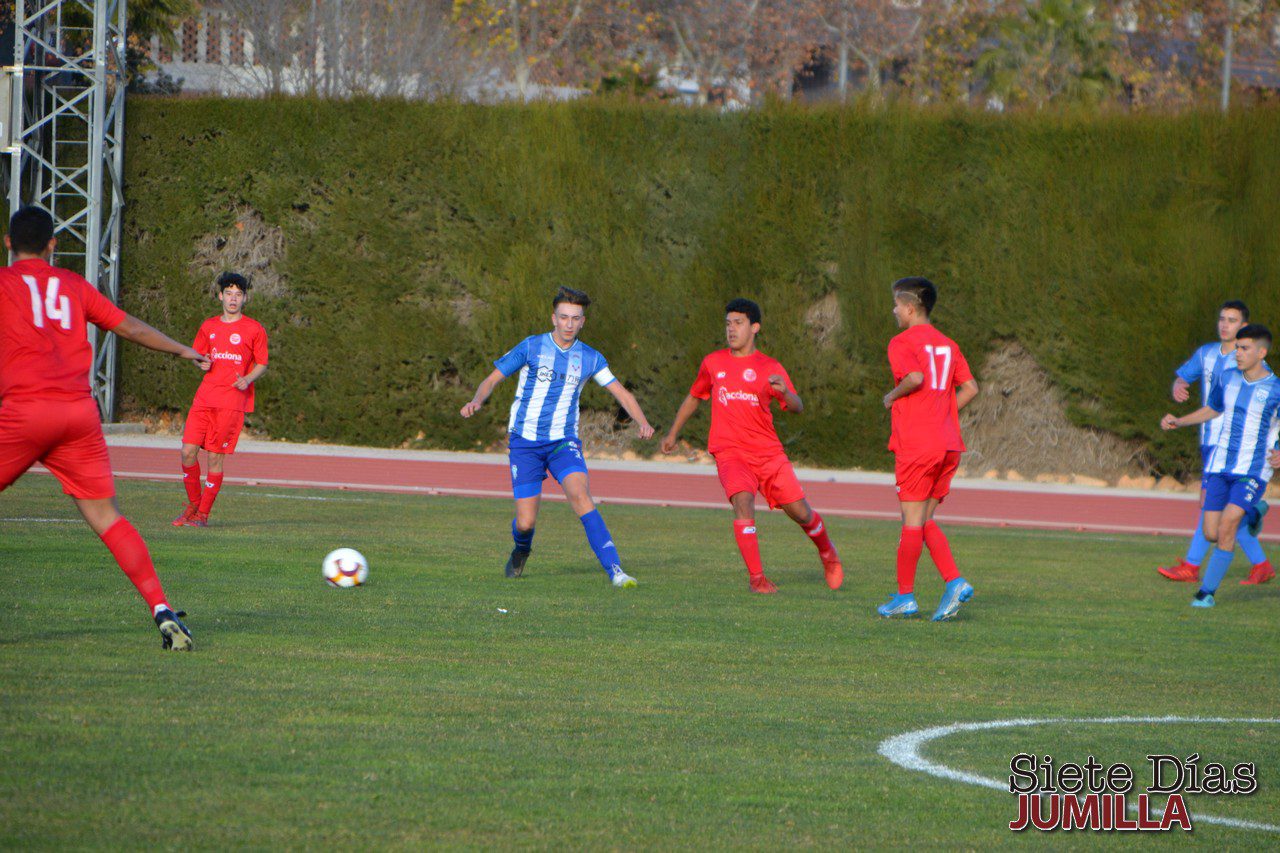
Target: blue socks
column 1219, row 562
column 1251, row 546
column 600, row 540
column 522, row 538
column 1199, row 545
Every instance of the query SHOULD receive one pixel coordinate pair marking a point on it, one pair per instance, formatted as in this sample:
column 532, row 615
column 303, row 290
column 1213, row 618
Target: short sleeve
column 961, row 374
column 1215, row 397
column 701, row 387
column 1192, row 369
column 98, row 309
column 515, row 358
column 603, row 375
column 260, row 347
column 904, row 359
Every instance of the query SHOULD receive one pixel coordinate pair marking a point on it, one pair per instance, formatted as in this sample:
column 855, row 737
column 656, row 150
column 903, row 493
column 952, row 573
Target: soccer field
column 444, row 705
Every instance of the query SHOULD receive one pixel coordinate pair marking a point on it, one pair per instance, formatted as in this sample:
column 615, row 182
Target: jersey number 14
column 939, row 367
column 56, row 308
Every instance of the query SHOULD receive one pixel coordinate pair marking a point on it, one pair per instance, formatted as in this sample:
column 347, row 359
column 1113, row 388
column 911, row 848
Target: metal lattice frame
column 66, row 149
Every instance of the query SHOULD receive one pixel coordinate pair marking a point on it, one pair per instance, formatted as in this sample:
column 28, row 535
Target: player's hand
column 470, row 408
column 200, row 360
column 1180, row 390
column 241, row 383
column 668, row 443
column 1168, row 422
column 646, row 431
column 888, row 400
column 1273, row 459
column 778, row 384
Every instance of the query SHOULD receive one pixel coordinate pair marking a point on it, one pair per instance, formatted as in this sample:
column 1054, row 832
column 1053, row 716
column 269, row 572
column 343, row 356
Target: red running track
column 852, row 495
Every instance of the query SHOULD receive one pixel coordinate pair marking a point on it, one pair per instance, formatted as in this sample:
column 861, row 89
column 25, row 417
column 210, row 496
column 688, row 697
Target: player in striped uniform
column 543, row 427
column 1247, row 401
column 1206, row 366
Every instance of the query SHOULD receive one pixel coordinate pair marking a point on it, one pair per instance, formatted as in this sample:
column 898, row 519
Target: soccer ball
column 345, row 567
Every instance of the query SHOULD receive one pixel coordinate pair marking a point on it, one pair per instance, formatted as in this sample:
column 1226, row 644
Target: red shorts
column 65, row 437
column 927, row 476
column 216, row 430
column 771, row 476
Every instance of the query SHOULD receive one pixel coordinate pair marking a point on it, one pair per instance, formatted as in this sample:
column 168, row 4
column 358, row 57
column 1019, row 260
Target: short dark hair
column 744, row 306
column 233, row 279
column 30, row 230
column 1256, row 332
column 1235, row 305
column 573, row 297
column 918, row 289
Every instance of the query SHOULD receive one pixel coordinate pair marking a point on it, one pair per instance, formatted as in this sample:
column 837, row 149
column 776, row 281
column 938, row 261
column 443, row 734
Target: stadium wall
column 408, row 245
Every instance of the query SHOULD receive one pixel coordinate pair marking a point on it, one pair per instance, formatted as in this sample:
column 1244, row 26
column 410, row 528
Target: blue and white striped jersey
column 1206, row 366
column 546, row 404
column 1250, row 424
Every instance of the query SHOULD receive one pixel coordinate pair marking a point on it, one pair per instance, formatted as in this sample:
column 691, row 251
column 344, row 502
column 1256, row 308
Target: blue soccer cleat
column 899, row 605
column 173, row 634
column 1255, row 527
column 957, row 592
column 1203, row 601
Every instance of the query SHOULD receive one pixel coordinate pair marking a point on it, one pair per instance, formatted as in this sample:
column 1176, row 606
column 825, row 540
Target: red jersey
column 44, row 341
column 235, row 349
column 927, row 420
column 741, row 399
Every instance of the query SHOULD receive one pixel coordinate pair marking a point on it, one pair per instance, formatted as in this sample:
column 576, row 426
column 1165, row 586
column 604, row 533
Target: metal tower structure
column 64, row 137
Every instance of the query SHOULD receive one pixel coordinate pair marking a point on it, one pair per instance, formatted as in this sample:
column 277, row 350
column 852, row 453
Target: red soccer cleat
column 187, row 514
column 763, row 585
column 1260, row 573
column 1184, row 572
column 832, row 569
column 197, row 519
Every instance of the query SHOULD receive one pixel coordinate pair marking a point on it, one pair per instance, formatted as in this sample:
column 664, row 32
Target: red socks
column 126, row 545
column 817, row 531
column 211, row 487
column 191, row 480
column 909, row 547
column 744, row 531
column 940, row 551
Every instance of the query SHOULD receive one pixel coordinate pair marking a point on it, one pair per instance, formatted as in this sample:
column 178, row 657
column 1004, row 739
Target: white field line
column 43, row 520
column 904, row 751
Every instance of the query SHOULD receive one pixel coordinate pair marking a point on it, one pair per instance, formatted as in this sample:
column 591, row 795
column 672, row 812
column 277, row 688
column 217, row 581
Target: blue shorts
column 1223, row 489
column 1206, row 450
column 531, row 462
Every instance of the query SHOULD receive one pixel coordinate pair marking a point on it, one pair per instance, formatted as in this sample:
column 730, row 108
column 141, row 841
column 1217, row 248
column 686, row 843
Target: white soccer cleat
column 622, row 580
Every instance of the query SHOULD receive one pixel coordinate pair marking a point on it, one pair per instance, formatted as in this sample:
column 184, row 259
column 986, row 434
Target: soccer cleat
column 188, row 512
column 1255, row 527
column 956, row 593
column 832, row 569
column 902, row 604
column 175, row 635
column 197, row 519
column 1260, row 573
column 1184, row 572
column 621, row 579
column 515, row 563
column 762, row 585
column 1202, row 600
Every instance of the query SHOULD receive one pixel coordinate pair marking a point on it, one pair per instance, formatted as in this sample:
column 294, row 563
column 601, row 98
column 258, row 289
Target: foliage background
column 423, row 240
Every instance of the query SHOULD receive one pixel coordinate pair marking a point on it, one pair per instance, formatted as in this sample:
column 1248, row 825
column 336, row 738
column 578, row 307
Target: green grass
column 685, row 713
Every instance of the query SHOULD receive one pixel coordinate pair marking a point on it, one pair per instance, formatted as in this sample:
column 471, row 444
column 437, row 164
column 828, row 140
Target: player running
column 743, row 383
column 543, row 428
column 48, row 413
column 237, row 347
column 1206, row 366
column 1248, row 401
column 933, row 383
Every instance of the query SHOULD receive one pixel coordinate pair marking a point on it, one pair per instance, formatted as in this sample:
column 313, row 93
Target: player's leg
column 24, row 437
column 739, row 480
column 914, row 486
column 194, row 433
column 781, row 488
column 957, row 589
column 1188, row 569
column 528, row 470
column 570, row 471
column 1221, row 519
column 227, row 425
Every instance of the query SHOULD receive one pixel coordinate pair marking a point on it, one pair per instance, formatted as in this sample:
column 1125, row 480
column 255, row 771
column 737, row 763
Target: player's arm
column 965, row 393
column 133, row 329
column 1199, row 416
column 243, row 382
column 1190, row 371
column 629, row 404
column 909, row 383
column 686, row 410
column 790, row 399
column 482, row 393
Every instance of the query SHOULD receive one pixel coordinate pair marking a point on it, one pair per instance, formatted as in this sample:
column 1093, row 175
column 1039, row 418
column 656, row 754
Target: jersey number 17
column 939, row 367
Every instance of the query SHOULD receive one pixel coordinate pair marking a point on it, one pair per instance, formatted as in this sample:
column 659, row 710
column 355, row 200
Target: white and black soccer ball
column 345, row 567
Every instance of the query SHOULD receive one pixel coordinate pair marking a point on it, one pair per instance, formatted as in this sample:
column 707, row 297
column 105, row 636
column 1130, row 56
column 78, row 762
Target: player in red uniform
column 47, row 412
column 924, row 405
column 742, row 383
column 237, row 346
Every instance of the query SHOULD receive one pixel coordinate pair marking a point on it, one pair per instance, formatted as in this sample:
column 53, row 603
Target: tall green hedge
column 424, row 240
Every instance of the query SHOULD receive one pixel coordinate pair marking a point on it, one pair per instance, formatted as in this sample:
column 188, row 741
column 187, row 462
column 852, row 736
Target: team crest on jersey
column 720, row 375
column 515, row 471
column 235, row 338
column 749, row 375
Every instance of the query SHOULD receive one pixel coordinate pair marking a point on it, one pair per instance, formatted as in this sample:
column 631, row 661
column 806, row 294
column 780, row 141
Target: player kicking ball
column 48, row 414
column 932, row 384
column 543, row 428
column 1240, row 466
column 742, row 384
column 1206, row 366
column 237, row 347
